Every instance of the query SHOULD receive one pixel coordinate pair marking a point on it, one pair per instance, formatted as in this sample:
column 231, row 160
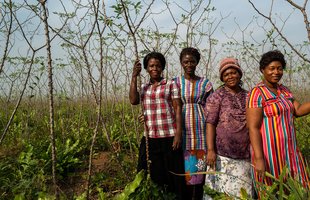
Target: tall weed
column 302, row 125
column 283, row 188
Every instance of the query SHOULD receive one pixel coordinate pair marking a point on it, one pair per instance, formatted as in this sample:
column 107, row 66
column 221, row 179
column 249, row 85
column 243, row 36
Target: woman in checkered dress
column 161, row 107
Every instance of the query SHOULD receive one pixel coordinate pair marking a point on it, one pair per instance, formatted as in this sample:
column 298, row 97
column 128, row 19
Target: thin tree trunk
column 98, row 100
column 51, row 99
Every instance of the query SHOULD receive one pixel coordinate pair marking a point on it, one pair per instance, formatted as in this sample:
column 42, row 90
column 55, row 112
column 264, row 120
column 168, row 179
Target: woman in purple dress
column 227, row 135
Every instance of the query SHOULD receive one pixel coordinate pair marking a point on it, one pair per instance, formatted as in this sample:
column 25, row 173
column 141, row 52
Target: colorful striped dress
column 278, row 132
column 194, row 95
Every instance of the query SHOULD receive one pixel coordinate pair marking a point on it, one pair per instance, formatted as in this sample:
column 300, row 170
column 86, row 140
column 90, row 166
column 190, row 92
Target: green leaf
column 131, row 187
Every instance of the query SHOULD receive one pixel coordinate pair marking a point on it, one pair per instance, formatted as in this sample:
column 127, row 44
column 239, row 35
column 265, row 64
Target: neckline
column 276, row 93
column 197, row 78
column 152, row 82
column 232, row 91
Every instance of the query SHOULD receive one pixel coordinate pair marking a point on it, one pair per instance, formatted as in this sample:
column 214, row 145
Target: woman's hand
column 136, row 68
column 134, row 95
column 211, row 155
column 260, row 168
column 177, row 106
column 176, row 142
column 211, row 158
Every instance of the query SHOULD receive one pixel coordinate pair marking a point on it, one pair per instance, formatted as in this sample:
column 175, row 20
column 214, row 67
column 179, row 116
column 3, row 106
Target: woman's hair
column 190, row 51
column 271, row 56
column 155, row 55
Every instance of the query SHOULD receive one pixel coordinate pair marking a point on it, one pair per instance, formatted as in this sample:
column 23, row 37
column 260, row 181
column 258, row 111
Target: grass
column 25, row 160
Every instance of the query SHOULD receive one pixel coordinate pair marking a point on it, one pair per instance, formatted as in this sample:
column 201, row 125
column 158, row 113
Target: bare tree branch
column 304, row 13
column 279, row 32
column 8, row 36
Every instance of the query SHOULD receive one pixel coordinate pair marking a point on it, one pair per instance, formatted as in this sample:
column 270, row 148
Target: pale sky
column 237, row 13
column 240, row 13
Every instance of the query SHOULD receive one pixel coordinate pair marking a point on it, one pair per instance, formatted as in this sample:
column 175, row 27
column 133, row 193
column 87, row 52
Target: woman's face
column 189, row 64
column 273, row 72
column 154, row 68
column 231, row 77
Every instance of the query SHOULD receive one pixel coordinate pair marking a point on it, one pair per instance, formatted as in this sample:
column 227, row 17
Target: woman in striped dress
column 270, row 114
column 194, row 92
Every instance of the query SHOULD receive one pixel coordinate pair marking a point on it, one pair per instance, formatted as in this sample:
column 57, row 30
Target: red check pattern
column 157, row 106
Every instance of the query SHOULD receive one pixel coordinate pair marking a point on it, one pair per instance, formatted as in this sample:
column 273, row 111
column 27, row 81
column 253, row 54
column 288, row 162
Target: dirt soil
column 100, row 161
column 76, row 184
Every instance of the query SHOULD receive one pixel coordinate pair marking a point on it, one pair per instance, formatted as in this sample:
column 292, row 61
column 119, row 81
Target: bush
column 302, row 125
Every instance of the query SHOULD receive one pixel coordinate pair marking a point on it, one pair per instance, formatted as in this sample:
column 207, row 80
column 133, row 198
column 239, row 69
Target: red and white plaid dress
column 157, row 107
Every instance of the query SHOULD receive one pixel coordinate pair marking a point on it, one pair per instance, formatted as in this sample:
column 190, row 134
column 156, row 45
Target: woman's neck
column 157, row 80
column 234, row 90
column 272, row 86
column 191, row 77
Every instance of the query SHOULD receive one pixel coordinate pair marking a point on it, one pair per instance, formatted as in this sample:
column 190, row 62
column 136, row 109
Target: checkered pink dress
column 158, row 110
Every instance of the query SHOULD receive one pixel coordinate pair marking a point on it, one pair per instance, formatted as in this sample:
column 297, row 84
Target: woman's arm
column 177, row 105
column 134, row 95
column 211, row 156
column 301, row 109
column 254, row 118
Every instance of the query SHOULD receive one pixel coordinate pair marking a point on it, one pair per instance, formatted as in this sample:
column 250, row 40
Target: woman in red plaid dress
column 161, row 107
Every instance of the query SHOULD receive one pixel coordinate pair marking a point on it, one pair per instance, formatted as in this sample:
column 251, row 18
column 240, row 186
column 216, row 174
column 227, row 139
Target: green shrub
column 22, row 176
column 284, row 187
column 143, row 188
column 302, row 125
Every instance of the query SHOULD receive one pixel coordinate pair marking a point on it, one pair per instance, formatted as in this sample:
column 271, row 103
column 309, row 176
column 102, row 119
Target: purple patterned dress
column 226, row 111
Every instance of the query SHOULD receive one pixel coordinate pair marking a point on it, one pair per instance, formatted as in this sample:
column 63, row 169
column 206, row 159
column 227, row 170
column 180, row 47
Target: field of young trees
column 67, row 129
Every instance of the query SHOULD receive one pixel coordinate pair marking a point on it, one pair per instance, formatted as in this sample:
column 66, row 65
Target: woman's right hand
column 260, row 168
column 136, row 68
column 211, row 158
